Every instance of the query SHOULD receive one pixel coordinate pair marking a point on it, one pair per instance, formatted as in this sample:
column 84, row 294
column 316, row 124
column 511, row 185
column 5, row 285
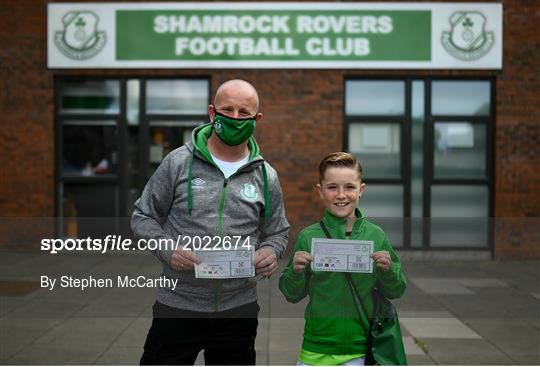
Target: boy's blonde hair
column 340, row 160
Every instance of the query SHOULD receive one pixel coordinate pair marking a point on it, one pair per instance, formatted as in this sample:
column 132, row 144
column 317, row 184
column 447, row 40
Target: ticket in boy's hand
column 222, row 264
column 342, row 255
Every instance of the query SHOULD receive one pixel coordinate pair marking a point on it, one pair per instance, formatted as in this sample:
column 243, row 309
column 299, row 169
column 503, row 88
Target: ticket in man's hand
column 224, row 264
column 342, row 255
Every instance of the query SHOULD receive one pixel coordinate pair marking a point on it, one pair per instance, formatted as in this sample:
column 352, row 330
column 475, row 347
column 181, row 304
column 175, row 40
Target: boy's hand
column 265, row 261
column 300, row 260
column 182, row 260
column 382, row 259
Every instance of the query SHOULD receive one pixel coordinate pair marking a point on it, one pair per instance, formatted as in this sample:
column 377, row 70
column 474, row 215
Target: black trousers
column 177, row 336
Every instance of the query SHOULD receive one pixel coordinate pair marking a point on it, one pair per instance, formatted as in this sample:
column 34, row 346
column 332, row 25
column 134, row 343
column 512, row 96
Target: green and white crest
column 217, row 127
column 80, row 39
column 468, row 39
column 249, row 192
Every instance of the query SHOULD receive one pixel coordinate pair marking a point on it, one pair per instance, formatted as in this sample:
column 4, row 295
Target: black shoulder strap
column 356, row 298
column 325, row 230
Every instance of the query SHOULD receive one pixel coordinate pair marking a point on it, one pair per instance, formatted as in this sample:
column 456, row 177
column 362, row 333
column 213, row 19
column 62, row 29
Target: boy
column 333, row 333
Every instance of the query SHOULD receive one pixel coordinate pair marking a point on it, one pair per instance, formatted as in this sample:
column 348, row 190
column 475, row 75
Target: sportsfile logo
column 80, row 39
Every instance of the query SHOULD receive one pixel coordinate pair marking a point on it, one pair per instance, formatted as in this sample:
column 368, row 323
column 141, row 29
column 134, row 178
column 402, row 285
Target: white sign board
column 275, row 35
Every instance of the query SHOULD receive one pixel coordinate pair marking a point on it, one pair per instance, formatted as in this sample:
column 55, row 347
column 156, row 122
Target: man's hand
column 182, row 260
column 301, row 259
column 382, row 259
column 265, row 261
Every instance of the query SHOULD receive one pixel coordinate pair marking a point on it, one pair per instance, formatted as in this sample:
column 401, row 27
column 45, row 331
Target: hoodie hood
column 199, row 138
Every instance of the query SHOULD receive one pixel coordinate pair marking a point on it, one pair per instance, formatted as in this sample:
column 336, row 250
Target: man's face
column 236, row 102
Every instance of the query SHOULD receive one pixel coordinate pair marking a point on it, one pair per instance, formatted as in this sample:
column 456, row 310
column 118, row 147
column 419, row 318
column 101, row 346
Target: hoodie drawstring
column 189, row 189
column 266, row 193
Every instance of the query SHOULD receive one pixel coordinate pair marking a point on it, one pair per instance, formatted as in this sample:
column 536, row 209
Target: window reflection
column 460, row 150
column 383, row 205
column 377, row 145
column 188, row 97
column 94, row 97
column 459, row 215
column 461, row 98
column 375, row 97
column 133, row 99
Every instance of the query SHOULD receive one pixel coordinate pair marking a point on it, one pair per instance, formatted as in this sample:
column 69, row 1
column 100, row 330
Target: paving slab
column 86, row 331
column 57, row 354
column 417, row 360
column 286, row 341
column 418, row 303
column 425, row 314
column 118, row 355
column 10, row 303
column 107, row 306
column 481, row 282
column 283, row 357
column 9, row 348
column 438, row 328
column 465, row 352
column 25, row 330
column 513, row 301
column 411, row 347
column 47, row 308
column 515, row 337
column 262, row 356
column 135, row 334
column 465, row 306
column 440, row 286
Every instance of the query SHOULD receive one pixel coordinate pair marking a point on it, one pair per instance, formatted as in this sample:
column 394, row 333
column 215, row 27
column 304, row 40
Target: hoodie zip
column 217, row 285
column 253, row 148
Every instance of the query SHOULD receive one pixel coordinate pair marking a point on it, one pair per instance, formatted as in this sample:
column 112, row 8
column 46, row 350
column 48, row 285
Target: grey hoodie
column 188, row 195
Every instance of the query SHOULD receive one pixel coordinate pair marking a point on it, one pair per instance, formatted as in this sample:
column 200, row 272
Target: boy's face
column 340, row 191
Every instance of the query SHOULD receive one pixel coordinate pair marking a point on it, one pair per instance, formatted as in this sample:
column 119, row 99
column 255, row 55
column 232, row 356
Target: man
column 216, row 185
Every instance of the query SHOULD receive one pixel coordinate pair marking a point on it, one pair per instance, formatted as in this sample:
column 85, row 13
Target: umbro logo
column 198, row 183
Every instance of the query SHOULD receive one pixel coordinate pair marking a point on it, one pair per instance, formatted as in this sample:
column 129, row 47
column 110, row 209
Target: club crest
column 80, row 39
column 468, row 39
column 249, row 192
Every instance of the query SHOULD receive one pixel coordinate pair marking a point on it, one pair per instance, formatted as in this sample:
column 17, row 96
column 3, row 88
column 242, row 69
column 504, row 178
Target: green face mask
column 233, row 131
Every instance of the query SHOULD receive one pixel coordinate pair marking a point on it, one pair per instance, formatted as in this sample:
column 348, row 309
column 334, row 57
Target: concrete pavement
column 454, row 313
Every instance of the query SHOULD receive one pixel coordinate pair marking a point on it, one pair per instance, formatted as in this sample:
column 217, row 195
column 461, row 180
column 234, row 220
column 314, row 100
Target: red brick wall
column 26, row 100
column 518, row 134
column 303, row 120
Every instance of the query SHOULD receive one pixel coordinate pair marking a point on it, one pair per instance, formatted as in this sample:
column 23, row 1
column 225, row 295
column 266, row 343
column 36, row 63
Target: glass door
column 111, row 136
column 171, row 110
column 426, row 152
column 459, row 178
column 89, row 156
column 378, row 126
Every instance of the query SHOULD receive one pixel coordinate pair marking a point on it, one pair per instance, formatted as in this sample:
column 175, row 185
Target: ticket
column 342, row 255
column 223, row 264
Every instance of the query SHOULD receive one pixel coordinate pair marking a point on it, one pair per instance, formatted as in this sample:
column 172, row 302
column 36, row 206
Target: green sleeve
column 392, row 283
column 295, row 286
